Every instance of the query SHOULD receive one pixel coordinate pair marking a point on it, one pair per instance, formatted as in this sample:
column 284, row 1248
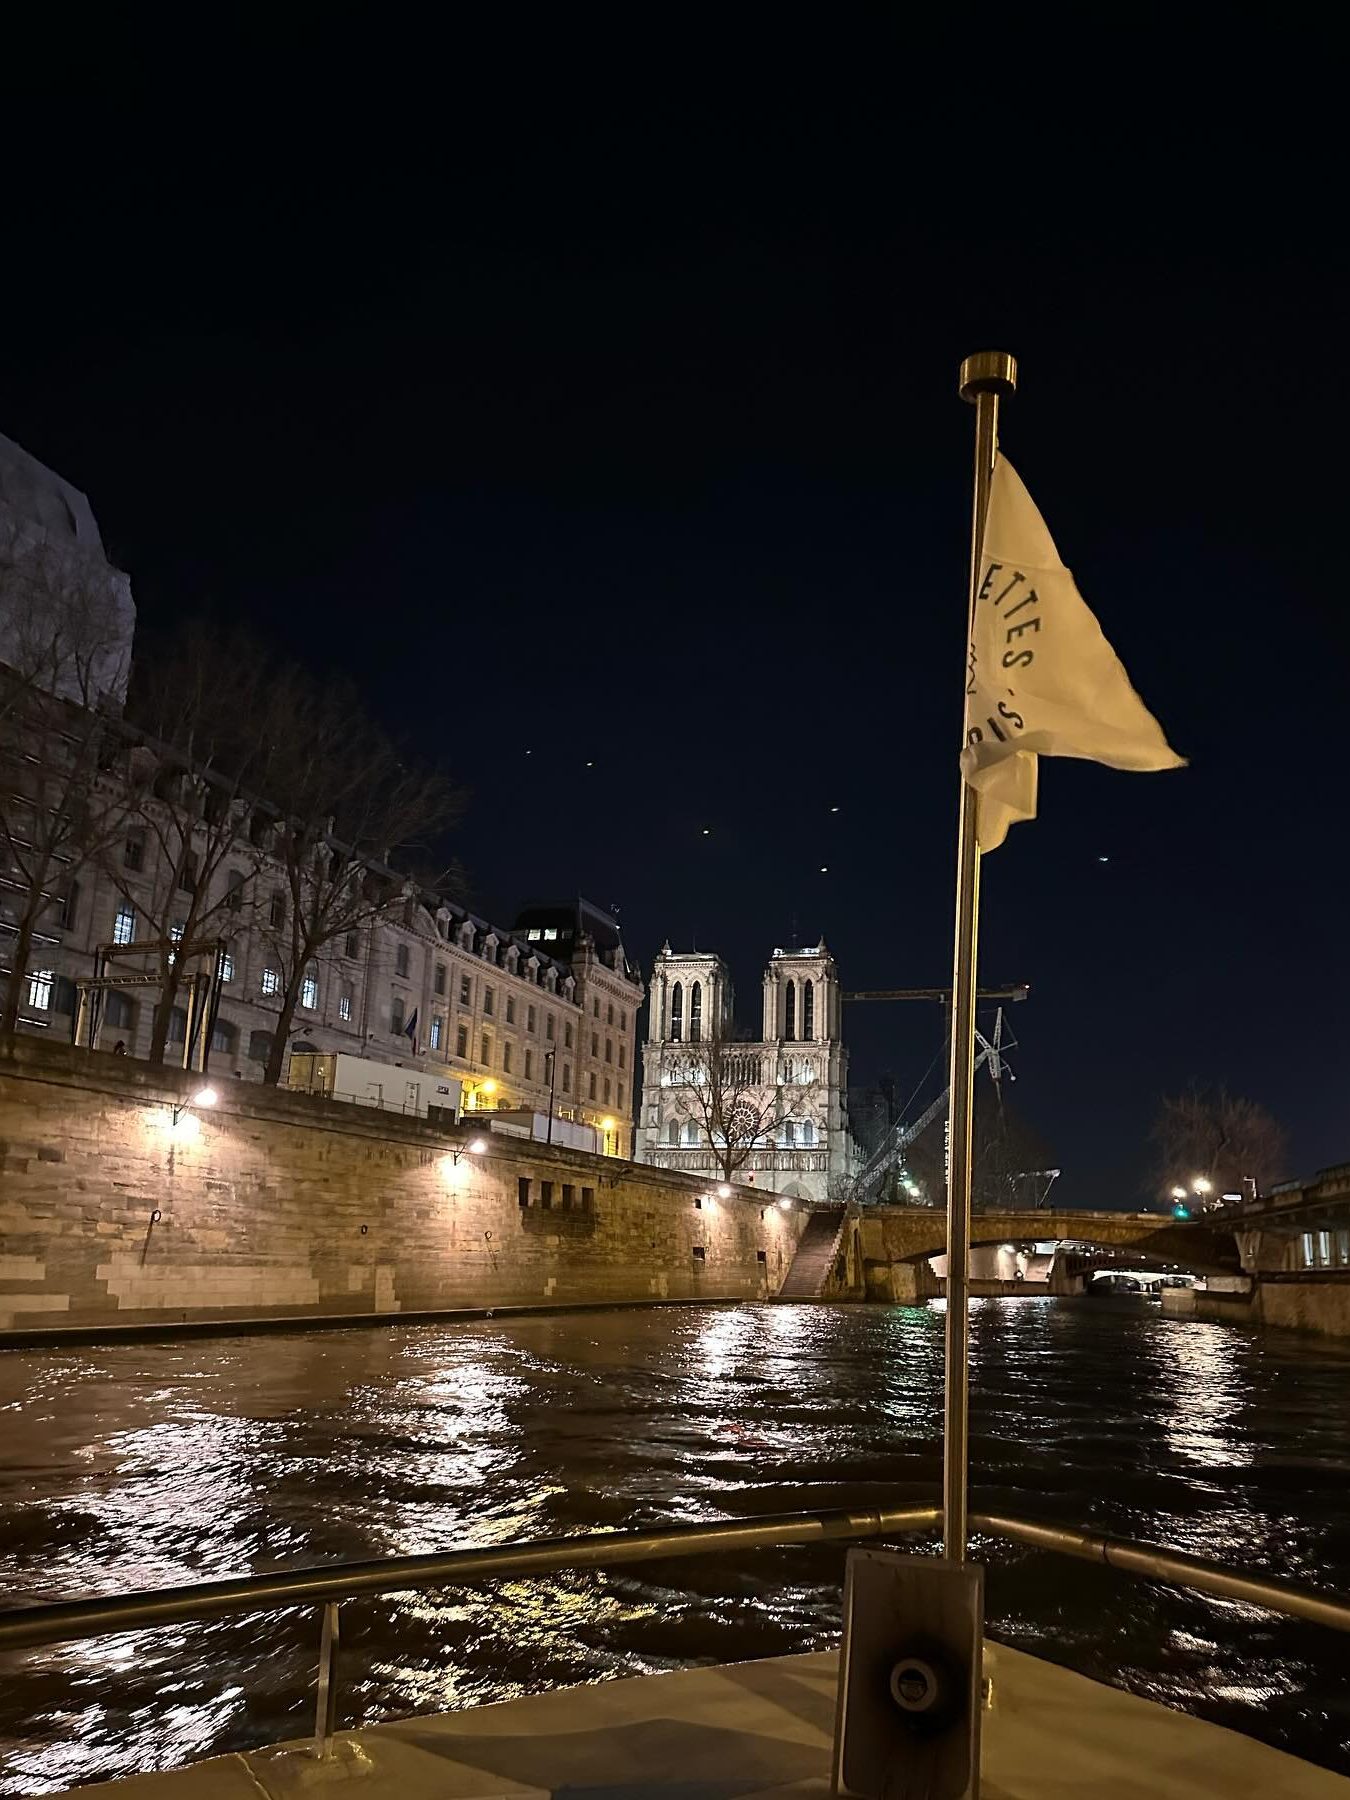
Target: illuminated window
column 533, row 934
column 227, row 967
column 271, row 981
column 790, row 1011
column 345, row 1002
column 437, row 1027
column 401, row 960
column 176, row 933
column 696, row 1013
column 808, row 1010
column 124, row 924
column 309, row 992
column 550, row 933
column 462, row 1042
column 40, row 989
column 676, row 1013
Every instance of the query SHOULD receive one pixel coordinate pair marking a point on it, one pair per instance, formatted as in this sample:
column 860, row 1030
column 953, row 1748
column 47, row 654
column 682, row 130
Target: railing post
column 325, row 1710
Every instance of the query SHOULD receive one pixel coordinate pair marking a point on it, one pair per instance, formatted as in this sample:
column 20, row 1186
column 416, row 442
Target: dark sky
column 592, row 400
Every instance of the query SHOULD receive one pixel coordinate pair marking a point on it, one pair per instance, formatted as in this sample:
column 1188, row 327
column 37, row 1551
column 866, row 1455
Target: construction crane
column 1018, row 991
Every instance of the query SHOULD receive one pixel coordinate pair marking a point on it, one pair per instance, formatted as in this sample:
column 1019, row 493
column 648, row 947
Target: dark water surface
column 149, row 1464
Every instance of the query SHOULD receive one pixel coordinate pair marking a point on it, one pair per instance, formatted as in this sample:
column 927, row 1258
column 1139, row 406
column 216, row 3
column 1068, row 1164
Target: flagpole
column 985, row 378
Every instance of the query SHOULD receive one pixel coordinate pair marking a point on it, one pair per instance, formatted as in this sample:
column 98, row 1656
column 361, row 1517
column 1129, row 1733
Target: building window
column 227, row 967
column 224, row 1037
column 124, row 924
column 462, row 1042
column 673, row 1132
column 789, row 1133
column 396, row 1014
column 690, row 1132
column 466, row 990
column 529, row 1065
column 178, row 1025
column 259, row 1046
column 276, row 911
column 437, row 1028
column 621, row 1098
column 550, row 934
column 345, row 1002
column 65, row 997
column 506, row 1059
column 234, row 889
column 587, row 1199
column 401, row 961
column 808, row 1011
column 592, row 1085
column 487, row 1002
column 531, row 1018
column 70, row 902
column 609, row 1050
column 790, row 1011
column 607, row 1090
column 271, row 981
column 595, row 1046
column 567, row 1035
column 118, row 1011
column 176, row 932
column 486, row 1047
column 440, row 978
column 808, row 1133
column 532, row 935
column 510, row 1009
column 548, row 1027
column 567, row 1078
column 352, row 948
column 700, row 1253
column 595, row 1005
column 609, row 1013
column 309, row 992
column 133, row 850
column 623, row 1021
column 546, row 1195
column 40, row 989
column 676, row 1013
column 187, row 874
column 569, row 1194
column 523, row 1190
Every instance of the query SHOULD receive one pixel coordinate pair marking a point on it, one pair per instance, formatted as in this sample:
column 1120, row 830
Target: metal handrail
column 329, row 1584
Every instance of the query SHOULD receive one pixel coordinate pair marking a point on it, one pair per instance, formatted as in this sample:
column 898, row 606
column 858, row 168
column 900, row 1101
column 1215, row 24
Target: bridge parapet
column 896, row 1234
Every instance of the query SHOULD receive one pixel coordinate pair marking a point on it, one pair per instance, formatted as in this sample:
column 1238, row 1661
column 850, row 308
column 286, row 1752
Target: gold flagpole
column 985, row 378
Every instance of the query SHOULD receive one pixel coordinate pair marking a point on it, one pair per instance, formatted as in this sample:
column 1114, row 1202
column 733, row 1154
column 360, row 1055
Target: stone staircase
column 816, row 1252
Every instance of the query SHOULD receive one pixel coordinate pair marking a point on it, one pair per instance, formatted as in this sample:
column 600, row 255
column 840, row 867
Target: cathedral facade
column 787, row 1088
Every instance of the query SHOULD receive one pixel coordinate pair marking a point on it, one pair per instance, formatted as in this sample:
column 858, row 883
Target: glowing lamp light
column 724, row 1192
column 606, row 1124
column 1202, row 1186
column 487, row 1087
column 1178, row 1193
column 478, row 1146
column 785, row 1203
column 1011, row 1249
column 206, row 1096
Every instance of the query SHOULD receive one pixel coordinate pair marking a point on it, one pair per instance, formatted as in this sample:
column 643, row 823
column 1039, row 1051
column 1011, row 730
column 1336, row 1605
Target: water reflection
column 150, row 1464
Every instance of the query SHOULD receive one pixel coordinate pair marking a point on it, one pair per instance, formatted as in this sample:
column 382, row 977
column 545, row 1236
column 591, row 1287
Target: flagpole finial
column 988, row 372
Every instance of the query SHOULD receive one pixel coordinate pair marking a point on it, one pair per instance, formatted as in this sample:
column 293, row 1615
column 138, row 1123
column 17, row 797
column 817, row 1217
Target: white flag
column 1042, row 680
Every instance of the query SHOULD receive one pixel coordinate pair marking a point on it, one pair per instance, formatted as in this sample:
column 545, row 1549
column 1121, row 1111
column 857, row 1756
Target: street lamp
column 205, row 1096
column 552, row 1058
column 1178, row 1193
column 475, row 1147
column 724, row 1192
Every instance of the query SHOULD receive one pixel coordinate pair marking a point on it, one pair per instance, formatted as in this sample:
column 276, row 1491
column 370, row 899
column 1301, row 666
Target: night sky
column 594, row 404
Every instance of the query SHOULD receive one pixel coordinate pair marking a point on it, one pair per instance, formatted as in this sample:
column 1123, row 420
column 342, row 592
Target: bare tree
column 1220, row 1138
column 728, row 1095
column 347, row 802
column 198, row 705
column 63, row 651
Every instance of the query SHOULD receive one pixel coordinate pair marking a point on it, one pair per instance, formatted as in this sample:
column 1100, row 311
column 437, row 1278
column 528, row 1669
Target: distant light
column 606, row 1124
column 1012, row 1248
column 834, row 809
column 590, row 765
column 1182, row 1212
column 488, row 1087
column 1202, row 1186
column 477, row 1146
column 724, row 1192
column 1178, row 1193
column 785, row 1203
column 204, row 1097
column 824, row 868
column 707, row 831
column 1103, row 859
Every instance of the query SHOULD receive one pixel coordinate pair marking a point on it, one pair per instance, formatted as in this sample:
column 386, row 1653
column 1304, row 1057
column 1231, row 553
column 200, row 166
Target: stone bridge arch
column 911, row 1234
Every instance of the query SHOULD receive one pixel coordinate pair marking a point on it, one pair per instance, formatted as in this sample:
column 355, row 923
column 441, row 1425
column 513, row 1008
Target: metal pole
column 325, row 1707
column 552, row 1091
column 984, row 378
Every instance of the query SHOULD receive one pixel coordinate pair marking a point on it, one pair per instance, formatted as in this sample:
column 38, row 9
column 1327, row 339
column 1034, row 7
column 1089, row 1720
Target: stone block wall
column 276, row 1205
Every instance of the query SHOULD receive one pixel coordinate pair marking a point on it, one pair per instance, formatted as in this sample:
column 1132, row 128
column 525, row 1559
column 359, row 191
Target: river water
column 156, row 1463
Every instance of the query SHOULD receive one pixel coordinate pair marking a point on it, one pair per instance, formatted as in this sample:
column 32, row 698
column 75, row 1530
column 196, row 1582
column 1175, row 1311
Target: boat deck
column 756, row 1729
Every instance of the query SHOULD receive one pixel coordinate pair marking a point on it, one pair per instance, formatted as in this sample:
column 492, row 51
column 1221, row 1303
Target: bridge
column 906, row 1234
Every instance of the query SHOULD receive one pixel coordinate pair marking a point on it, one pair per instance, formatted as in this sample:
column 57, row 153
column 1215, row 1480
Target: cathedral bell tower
column 801, row 997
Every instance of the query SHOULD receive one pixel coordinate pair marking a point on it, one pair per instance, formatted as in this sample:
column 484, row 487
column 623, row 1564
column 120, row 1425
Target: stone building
column 794, row 1075
column 543, row 1010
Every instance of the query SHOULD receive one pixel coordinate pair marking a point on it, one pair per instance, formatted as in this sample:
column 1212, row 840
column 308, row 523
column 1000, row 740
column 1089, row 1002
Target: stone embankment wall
column 1309, row 1302
column 277, row 1205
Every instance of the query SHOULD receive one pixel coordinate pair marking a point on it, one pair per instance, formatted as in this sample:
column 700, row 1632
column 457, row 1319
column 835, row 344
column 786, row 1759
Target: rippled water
column 149, row 1464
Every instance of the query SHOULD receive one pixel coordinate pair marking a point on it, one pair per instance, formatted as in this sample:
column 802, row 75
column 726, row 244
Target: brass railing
column 328, row 1585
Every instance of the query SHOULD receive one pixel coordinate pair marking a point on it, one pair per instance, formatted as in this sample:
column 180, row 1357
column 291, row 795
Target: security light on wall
column 205, row 1096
